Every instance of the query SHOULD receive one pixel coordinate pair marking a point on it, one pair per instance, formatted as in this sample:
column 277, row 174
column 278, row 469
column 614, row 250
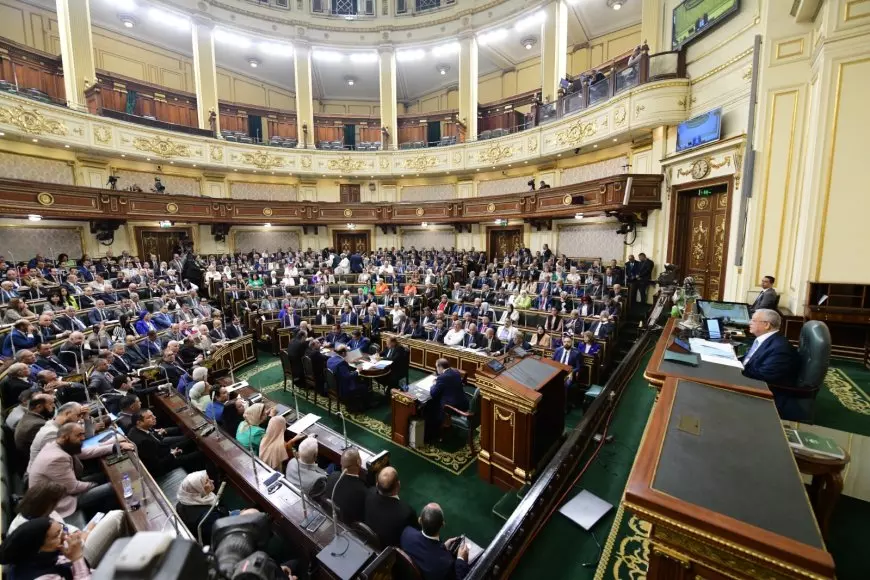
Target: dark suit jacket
column 295, row 351
column 234, row 331
column 350, row 497
column 765, row 299
column 388, row 516
column 775, row 362
column 399, row 368
column 53, row 363
column 448, row 390
column 574, row 358
column 645, row 269
column 152, row 451
column 432, row 557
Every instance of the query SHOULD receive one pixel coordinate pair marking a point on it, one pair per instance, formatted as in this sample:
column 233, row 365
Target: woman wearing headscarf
column 195, row 498
column 249, row 433
column 39, row 548
column 274, row 451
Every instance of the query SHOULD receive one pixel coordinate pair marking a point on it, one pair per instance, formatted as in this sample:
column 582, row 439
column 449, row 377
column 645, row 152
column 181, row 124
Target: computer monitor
column 736, row 313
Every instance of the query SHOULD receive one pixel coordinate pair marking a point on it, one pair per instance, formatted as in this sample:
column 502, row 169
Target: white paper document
column 426, row 383
column 304, row 423
column 715, row 352
column 381, row 364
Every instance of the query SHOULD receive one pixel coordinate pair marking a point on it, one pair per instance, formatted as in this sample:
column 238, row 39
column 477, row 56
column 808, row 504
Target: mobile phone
column 272, row 479
column 96, row 519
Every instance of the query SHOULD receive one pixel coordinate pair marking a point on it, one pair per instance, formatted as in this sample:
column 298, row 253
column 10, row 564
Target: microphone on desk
column 344, row 430
column 214, row 504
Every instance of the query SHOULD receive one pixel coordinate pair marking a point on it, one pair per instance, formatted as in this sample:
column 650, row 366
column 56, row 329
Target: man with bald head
column 349, row 494
column 386, row 513
column 431, row 556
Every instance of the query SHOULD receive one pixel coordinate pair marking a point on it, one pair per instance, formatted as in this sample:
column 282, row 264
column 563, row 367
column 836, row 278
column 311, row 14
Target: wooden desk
column 522, row 416
column 234, row 354
column 155, row 512
column 658, row 370
column 718, row 483
column 284, row 506
column 404, row 406
column 330, row 442
column 424, row 354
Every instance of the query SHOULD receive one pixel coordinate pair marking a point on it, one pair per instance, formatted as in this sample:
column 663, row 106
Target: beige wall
column 145, row 62
column 336, row 107
column 602, row 49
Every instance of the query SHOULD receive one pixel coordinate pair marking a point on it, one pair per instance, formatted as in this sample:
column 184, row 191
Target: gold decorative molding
column 567, row 200
column 267, row 211
column 31, row 121
column 162, row 146
column 102, row 135
column 262, row 160
column 495, row 153
column 216, row 152
column 348, row 212
column 533, row 144
column 747, row 74
column 576, row 133
column 384, row 163
column 171, row 208
column 723, row 66
column 345, row 163
column 420, row 212
column 490, row 208
column 620, row 114
column 45, row 198
column 637, row 110
column 421, row 162
column 457, row 157
column 306, row 161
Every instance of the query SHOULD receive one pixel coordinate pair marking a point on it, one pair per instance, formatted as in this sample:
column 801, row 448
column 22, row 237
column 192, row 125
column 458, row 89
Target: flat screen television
column 693, row 18
column 699, row 130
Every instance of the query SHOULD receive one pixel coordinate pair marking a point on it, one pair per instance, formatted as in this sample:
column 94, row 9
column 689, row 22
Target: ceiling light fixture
column 327, row 56
column 364, row 57
column 253, row 62
column 578, row 216
column 615, row 4
column 425, row 224
column 34, row 218
column 410, row 55
column 267, row 225
column 169, row 19
column 530, row 21
column 351, row 226
column 491, row 36
column 275, row 48
column 529, row 42
column 446, row 49
column 350, row 81
column 443, row 68
column 127, row 20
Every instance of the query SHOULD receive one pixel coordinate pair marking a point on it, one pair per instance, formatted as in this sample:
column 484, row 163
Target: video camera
column 236, row 554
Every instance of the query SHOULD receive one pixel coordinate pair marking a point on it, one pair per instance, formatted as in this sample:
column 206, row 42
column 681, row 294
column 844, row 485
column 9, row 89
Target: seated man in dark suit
column 235, row 330
column 358, row 341
column 447, row 390
column 601, row 328
column 770, row 358
column 318, row 365
column 431, row 556
column 767, row 297
column 347, row 379
column 490, row 341
column 46, row 359
column 350, row 493
column 336, row 336
column 68, row 321
column 385, row 513
column 415, row 330
column 436, row 334
column 159, row 456
column 399, row 355
column 133, row 355
column 568, row 355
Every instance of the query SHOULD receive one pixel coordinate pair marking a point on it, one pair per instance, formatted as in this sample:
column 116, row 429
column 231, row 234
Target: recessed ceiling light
column 350, row 81
column 529, row 42
column 595, row 146
column 127, row 20
column 443, row 68
column 194, row 165
column 35, row 140
column 123, row 154
column 615, row 139
column 66, row 146
column 147, row 159
column 253, row 62
column 2, row 133
column 615, row 4
column 34, row 218
column 267, row 225
column 172, row 162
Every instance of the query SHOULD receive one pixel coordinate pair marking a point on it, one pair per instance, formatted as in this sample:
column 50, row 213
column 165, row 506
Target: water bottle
column 126, row 486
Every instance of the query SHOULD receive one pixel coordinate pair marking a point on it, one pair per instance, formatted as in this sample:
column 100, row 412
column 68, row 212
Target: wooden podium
column 522, row 415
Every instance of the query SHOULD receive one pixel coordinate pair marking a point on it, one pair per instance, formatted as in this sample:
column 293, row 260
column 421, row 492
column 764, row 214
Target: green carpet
column 547, row 557
column 466, row 499
column 844, row 402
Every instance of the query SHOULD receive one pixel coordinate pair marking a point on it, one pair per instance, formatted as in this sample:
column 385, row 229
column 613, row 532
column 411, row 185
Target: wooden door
column 350, row 241
column 349, row 192
column 501, row 241
column 163, row 242
column 701, row 237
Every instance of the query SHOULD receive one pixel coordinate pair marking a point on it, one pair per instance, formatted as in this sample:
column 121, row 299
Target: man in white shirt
column 507, row 332
column 455, row 335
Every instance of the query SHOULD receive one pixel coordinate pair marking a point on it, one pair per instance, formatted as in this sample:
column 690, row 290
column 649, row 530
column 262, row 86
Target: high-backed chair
column 311, row 383
column 467, row 420
column 368, row 535
column 288, row 370
column 798, row 402
column 405, row 568
column 332, row 391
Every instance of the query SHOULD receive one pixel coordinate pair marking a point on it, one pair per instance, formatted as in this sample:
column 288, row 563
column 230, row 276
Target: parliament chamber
column 434, row 290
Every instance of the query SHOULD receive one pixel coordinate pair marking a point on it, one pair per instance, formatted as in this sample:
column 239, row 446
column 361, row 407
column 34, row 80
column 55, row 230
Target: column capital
column 203, row 21
column 466, row 35
column 388, row 48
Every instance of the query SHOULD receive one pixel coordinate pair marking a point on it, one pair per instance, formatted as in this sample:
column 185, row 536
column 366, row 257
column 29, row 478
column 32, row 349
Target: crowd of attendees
column 78, row 331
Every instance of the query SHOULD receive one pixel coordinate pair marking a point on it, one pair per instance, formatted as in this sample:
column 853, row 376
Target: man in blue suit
column 447, row 390
column 352, row 390
column 358, row 341
column 100, row 314
column 770, row 358
column 568, row 355
column 356, row 263
column 543, row 302
column 336, row 336
column 425, row 548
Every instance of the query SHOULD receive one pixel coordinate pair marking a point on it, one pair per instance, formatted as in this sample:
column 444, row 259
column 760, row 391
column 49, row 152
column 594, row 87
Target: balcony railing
column 346, row 9
column 608, row 80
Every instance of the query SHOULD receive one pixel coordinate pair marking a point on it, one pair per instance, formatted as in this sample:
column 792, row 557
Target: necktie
column 389, row 352
column 752, row 350
column 565, row 353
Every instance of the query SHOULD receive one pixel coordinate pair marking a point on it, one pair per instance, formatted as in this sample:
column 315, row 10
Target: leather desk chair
column 467, row 420
column 797, row 403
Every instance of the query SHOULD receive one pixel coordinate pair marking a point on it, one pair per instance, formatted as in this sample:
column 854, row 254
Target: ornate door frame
column 679, row 228
column 492, row 229
column 366, row 233
column 140, row 244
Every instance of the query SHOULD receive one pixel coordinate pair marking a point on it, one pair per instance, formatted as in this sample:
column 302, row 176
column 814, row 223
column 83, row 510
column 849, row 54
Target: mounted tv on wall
column 693, row 18
column 699, row 130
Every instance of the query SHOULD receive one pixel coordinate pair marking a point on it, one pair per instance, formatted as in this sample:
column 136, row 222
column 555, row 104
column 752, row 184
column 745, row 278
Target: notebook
column 689, row 359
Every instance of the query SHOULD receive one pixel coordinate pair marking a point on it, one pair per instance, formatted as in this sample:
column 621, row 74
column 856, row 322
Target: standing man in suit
column 643, row 277
column 770, row 358
column 425, row 548
column 350, row 493
column 385, row 512
column 447, row 390
column 766, row 299
column 568, row 355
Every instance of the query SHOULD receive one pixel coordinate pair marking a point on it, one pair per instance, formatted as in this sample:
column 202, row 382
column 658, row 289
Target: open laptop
column 731, row 313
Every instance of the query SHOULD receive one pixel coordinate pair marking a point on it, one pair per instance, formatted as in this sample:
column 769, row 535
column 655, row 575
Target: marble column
column 205, row 73
column 468, row 85
column 304, row 94
column 389, row 106
column 554, row 49
column 76, row 49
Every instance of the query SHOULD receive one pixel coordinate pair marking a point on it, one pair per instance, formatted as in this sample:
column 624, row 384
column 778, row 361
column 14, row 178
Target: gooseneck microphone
column 214, row 504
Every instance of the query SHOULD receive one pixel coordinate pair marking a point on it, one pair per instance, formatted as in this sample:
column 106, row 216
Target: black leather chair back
column 815, row 353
